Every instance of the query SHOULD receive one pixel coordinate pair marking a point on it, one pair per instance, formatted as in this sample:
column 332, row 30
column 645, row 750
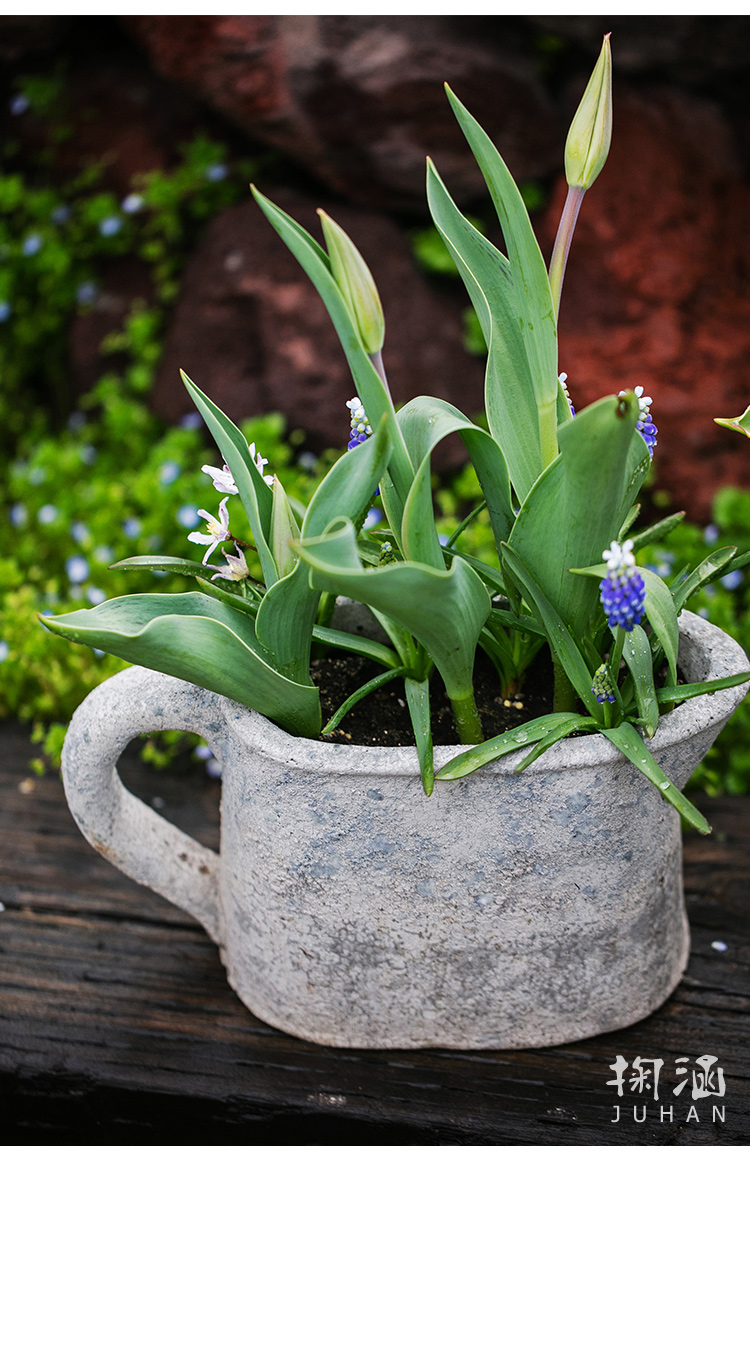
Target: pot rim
column 685, row 722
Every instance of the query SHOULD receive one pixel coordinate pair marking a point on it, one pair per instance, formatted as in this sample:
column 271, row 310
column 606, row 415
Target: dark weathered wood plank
column 117, row 1024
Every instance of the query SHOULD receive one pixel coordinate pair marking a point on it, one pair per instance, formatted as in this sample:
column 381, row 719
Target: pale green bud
column 590, row 133
column 739, row 423
column 355, row 280
column 284, row 531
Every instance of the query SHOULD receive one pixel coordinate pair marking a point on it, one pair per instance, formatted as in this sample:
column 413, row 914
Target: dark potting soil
column 383, row 717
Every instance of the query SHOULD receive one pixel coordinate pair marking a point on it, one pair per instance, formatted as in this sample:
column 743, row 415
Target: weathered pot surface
column 503, row 912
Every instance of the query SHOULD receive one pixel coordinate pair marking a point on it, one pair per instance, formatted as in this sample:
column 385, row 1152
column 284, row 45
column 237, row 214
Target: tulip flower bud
column 355, row 280
column 590, row 133
column 284, row 531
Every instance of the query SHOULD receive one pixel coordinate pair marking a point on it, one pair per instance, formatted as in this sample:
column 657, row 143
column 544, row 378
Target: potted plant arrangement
column 513, row 891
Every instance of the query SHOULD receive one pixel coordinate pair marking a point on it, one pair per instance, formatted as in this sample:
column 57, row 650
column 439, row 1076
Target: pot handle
column 122, row 828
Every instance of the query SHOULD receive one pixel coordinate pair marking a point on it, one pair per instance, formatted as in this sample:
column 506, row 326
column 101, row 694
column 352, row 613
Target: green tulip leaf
column 202, row 640
column 443, row 610
column 532, row 300
column 509, row 388
column 286, row 616
column 369, row 386
column 564, row 647
column 575, row 509
column 254, row 493
column 425, row 421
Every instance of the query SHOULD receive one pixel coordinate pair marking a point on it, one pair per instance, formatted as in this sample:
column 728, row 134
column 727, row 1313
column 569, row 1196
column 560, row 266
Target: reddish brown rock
column 359, row 101
column 252, row 332
column 657, row 290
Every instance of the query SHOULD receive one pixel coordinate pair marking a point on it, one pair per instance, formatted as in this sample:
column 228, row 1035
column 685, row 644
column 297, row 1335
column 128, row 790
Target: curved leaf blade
column 510, row 396
column 637, row 653
column 554, row 735
column 508, row 742
column 425, row 421
column 443, row 610
column 532, row 295
column 200, row 639
column 668, row 696
column 418, row 701
column 369, row 387
column 628, row 740
column 560, row 638
column 575, row 508
column 255, row 494
column 287, row 613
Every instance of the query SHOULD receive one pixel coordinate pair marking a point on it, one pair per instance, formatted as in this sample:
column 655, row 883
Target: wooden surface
column 117, row 1026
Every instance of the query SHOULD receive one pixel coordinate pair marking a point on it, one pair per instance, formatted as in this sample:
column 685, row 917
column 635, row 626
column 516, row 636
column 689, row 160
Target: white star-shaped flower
column 218, row 529
column 618, row 555
column 222, row 478
column 236, row 567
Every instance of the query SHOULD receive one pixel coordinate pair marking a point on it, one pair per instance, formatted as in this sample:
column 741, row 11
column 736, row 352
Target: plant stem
column 377, row 361
column 325, row 609
column 562, row 243
column 565, row 697
column 467, row 720
column 616, row 655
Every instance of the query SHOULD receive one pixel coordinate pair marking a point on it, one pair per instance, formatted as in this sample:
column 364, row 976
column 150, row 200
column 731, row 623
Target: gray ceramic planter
column 349, row 909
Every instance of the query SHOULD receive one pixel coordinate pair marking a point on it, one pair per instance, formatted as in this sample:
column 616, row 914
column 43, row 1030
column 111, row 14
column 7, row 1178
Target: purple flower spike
column 602, row 685
column 646, row 428
column 623, row 589
column 360, row 429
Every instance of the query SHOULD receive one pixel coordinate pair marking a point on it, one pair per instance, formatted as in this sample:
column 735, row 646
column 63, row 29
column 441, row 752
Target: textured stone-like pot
column 503, row 912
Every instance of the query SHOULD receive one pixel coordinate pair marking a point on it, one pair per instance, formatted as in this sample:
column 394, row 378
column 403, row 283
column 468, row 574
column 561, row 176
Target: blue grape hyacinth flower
column 602, row 685
column 646, row 427
column 360, row 427
column 623, row 590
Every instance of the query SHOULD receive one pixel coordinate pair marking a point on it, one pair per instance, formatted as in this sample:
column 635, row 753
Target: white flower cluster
column 643, row 402
column 619, row 557
column 563, row 381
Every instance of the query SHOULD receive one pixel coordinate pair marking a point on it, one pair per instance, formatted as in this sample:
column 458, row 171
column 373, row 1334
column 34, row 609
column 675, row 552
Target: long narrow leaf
column 628, row 740
column 708, row 569
column 510, row 395
column 562, row 642
column 508, row 742
column 174, row 565
column 637, row 653
column 357, row 645
column 562, row 731
column 365, row 690
column 533, row 299
column 656, row 532
column 418, row 701
column 254, row 493
column 669, row 696
column 370, row 389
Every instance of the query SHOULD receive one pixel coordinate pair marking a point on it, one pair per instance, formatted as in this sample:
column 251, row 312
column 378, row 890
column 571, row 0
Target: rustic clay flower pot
column 503, row 912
